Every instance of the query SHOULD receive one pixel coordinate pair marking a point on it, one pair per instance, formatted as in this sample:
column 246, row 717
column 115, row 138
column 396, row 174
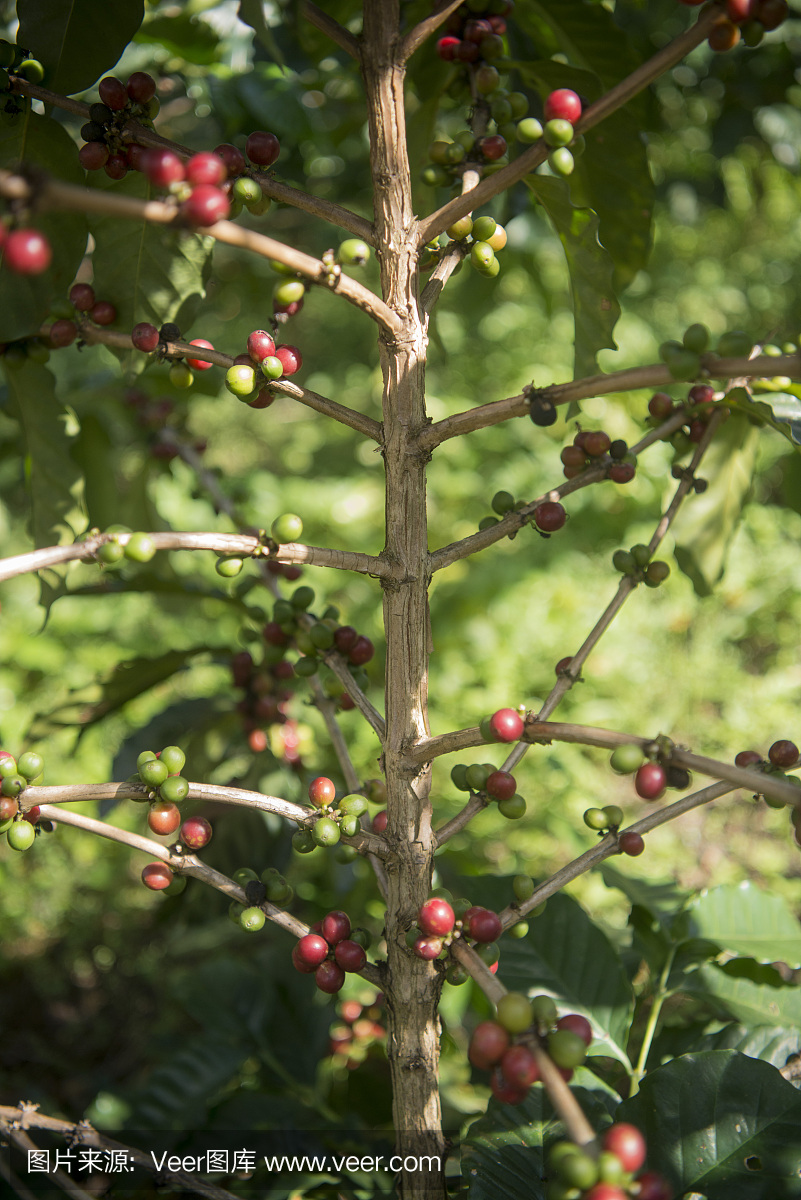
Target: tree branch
column 325, row 210
column 332, row 29
column 415, row 37
column 629, row 380
column 51, row 193
column 220, row 543
column 493, row 185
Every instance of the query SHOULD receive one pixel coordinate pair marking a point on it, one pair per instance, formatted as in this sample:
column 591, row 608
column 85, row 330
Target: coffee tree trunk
column 413, row 990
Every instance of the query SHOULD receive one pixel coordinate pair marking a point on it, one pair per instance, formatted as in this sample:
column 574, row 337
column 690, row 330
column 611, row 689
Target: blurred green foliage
column 85, row 948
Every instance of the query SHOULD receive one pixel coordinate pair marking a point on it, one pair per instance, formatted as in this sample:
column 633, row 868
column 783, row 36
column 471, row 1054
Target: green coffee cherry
column 306, row 667
column 476, row 777
column 174, row 759
column 513, row 809
column 514, row 1012
column 459, row 777
column 247, row 190
column 626, row 760
column 140, row 548
column 349, row 825
column 175, row 789
column 460, row 229
column 252, row 919
column 353, row 252
column 110, row 553
column 529, row 130
column 286, row 528
column 153, row 772
column 544, row 1011
column 502, row 503
column 229, row 567
column 566, row 1048
column 483, row 228
column 244, row 875
column 614, row 815
column 558, row 132
column 624, row 562
column 180, row 375
column 325, row 832
column 561, row 161
column 21, row 835
column 30, row 764
column 735, row 344
column 482, row 256
column 13, row 785
column 303, row 841
column 523, row 887
column 595, row 818
column 353, row 805
column 240, row 380
column 520, row 930
column 696, row 338
column 641, row 554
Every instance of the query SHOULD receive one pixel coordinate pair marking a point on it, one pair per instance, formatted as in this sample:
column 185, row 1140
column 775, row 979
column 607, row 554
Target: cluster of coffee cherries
column 266, row 696
column 636, row 564
column 612, row 1172
column 683, row 359
column 263, row 363
column 160, row 772
column 20, row 62
column 439, row 922
column 746, row 19
column 16, row 774
column 104, row 145
column 331, row 949
column 155, row 416
column 594, row 447
column 503, row 1046
column 697, row 410
column 487, row 781
column 358, row 1030
column 485, row 237
column 338, row 816
column 608, row 820
column 650, row 764
column 547, row 517
column 781, row 756
column 270, row 886
column 121, row 543
column 83, row 300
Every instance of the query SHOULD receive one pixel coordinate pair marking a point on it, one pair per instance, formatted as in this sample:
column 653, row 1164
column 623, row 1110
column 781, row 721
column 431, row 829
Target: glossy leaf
column 77, row 41
column 772, row 1044
column 707, row 523
column 53, row 479
column 595, row 307
column 661, row 899
column 251, row 12
column 747, row 921
column 752, row 995
column 184, row 35
column 147, row 271
column 25, row 300
column 720, row 1124
column 780, row 410
column 566, row 955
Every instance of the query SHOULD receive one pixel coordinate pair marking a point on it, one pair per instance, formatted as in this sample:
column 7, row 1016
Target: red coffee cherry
column 361, row 651
column 660, row 405
column 428, row 948
column 311, row 950
column 489, row 1043
column 93, row 156
column 260, row 345
column 491, row 147
column 141, row 87
column 206, row 206
column 335, row 926
column 82, row 296
column 505, row 1092
column 771, row 13
column 436, row 917
column 290, row 358
column 506, row 725
column 549, row 516
column 112, row 93
column 322, row 791
column 577, row 1024
column 519, row 1067
column 117, row 166
column 200, row 364
column 650, row 781
column 622, row 472
column 783, row 754
column 723, row 36
column 162, row 167
column 63, row 333
column 607, row 1191
column 164, row 817
column 262, row 148
column 446, row 47
column 206, row 168
column 350, row 955
column 345, row 638
column 483, row 925
column 701, row 393
column 103, row 312
column 196, row 833
column 627, row 1143
column 145, row 336
column 329, row 977
column 501, row 785
column 380, row 822
column 27, row 252
column 564, row 105
column 157, row 876
column 597, row 443
column 747, row 758
column 234, row 159
column 631, row 843
column 652, row 1186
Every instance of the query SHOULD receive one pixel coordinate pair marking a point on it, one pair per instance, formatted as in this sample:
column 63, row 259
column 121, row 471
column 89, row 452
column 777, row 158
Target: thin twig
column 51, row 193
column 629, row 380
column 284, row 193
column 421, row 32
column 332, row 29
column 530, row 159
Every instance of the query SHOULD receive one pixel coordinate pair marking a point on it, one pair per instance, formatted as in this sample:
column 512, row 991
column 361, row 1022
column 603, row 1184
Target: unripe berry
column 514, row 1012
column 577, row 1024
column 427, row 948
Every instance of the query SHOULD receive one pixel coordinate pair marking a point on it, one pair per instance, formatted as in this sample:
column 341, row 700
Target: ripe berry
column 196, row 833
column 491, row 147
column 162, row 167
column 549, row 516
column 427, row 948
column 322, row 791
column 501, row 785
column 631, row 843
column 519, row 1067
column 489, row 1043
column 701, row 393
column 329, row 977
column 350, row 955
column 82, row 297
column 607, row 1191
column 262, row 148
column 260, row 345
column 206, row 168
column 200, row 364
column 361, row 651
column 446, row 47
column 27, row 252
column 206, row 205
column 771, row 13
column 112, row 92
column 145, row 336
column 652, row 1186
column 335, row 926
column 116, row 167
column 290, row 358
column 379, row 824
column 650, row 781
column 103, row 312
column 436, row 917
column 627, row 1143
column 621, row 472
column 506, row 725
column 505, row 1092
column 63, row 333
column 563, row 104
column 660, row 405
column 723, row 36
column 93, row 155
column 156, row 875
column 163, row 818
column 141, row 87
column 747, row 758
column 597, row 443
column 580, row 1025
column 783, row 754
column 311, row 950
column 483, row 925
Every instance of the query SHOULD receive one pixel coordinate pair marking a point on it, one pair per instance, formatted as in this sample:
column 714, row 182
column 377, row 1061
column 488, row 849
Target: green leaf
column 502, row 1156
column 747, row 921
column 52, row 477
column 566, row 955
column 780, row 410
column 771, row 1043
column 251, row 12
column 184, row 35
column 77, row 41
column 662, row 899
column 707, row 523
column 729, row 990
column 184, row 1084
column 595, row 306
column 720, row 1124
column 586, row 34
column 612, row 176
column 148, row 272
column 25, row 300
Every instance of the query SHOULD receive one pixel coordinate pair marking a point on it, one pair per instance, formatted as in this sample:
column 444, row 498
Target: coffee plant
column 401, row 737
